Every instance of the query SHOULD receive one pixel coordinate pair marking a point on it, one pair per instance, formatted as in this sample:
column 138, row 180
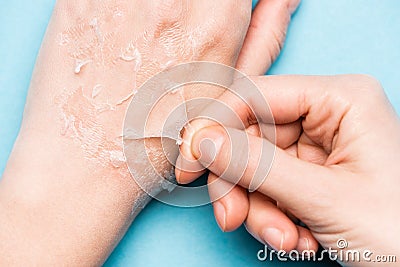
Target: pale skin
column 335, row 167
column 66, row 196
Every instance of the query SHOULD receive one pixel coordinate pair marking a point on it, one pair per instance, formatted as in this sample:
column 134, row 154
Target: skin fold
column 66, row 196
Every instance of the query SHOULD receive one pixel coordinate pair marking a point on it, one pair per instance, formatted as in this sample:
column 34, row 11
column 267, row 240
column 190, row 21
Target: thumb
column 255, row 163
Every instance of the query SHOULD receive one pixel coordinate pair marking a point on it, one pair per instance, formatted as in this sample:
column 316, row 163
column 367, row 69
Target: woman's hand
column 66, row 194
column 335, row 167
column 262, row 45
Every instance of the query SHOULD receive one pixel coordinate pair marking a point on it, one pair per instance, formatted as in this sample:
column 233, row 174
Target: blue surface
column 326, row 37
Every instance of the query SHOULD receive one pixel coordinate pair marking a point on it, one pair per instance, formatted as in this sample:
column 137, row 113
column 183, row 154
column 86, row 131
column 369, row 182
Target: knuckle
column 362, row 92
column 368, row 81
column 361, row 86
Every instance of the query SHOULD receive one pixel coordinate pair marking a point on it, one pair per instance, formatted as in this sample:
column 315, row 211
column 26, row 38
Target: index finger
column 284, row 98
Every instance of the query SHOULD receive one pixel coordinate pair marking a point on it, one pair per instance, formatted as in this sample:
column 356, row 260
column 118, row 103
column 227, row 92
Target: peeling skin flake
column 117, row 158
column 95, row 38
column 126, row 98
column 79, row 64
column 95, row 26
column 100, row 41
column 179, row 141
column 97, row 90
column 131, row 53
column 80, row 123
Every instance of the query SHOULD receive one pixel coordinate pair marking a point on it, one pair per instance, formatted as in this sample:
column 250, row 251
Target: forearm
column 66, row 194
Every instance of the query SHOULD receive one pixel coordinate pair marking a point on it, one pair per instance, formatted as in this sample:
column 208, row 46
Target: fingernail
column 304, row 244
column 207, row 145
column 273, row 237
column 220, row 215
column 208, row 151
column 178, row 165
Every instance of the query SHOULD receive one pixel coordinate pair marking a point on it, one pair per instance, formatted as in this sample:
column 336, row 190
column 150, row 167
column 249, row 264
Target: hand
column 335, row 168
column 93, row 58
column 66, row 193
column 263, row 43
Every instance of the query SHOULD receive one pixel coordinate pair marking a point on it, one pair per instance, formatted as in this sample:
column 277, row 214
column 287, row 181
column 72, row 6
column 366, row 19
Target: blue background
column 326, row 37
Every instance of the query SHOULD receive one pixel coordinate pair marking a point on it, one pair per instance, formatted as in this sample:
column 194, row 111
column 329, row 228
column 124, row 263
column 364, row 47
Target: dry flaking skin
column 67, row 163
column 112, row 49
column 99, row 45
column 94, row 39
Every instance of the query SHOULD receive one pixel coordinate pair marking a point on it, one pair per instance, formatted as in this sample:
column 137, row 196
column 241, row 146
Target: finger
column 283, row 135
column 266, row 35
column 247, row 160
column 311, row 151
column 287, row 212
column 289, row 98
column 286, row 99
column 306, row 241
column 279, row 100
column 221, row 110
column 230, row 203
column 292, row 150
column 315, row 99
column 224, row 111
column 188, row 169
column 270, row 225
